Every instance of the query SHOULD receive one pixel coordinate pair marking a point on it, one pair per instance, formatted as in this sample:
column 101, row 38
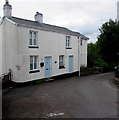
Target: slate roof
column 43, row 26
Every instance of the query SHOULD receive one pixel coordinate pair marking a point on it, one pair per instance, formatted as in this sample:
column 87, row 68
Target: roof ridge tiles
column 44, row 26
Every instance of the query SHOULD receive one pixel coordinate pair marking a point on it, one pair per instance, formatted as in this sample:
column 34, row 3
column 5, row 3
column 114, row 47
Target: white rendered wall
column 17, row 52
column 9, row 48
column 50, row 44
column 83, row 53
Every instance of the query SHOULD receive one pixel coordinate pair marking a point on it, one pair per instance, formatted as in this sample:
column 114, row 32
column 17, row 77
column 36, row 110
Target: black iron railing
column 6, row 80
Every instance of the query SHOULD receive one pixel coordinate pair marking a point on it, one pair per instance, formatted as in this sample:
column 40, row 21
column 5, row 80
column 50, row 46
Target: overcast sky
column 84, row 16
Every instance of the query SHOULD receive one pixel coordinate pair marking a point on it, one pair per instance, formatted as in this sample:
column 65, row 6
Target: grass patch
column 39, row 81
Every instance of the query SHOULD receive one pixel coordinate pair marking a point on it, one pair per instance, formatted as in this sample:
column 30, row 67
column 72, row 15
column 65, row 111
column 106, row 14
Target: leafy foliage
column 108, row 42
column 94, row 58
column 104, row 52
column 88, row 71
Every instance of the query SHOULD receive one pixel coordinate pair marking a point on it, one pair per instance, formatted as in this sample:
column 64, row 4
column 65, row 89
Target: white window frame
column 33, row 39
column 68, row 41
column 61, row 62
column 33, row 62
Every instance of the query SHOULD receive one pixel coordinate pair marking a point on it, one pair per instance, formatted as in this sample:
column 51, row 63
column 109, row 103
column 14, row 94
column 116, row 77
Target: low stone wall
column 89, row 71
column 116, row 81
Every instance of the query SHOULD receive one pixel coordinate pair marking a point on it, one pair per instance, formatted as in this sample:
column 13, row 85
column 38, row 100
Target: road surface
column 92, row 96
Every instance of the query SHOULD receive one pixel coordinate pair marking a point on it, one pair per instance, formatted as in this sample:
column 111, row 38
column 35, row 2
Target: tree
column 108, row 42
column 94, row 58
column 92, row 54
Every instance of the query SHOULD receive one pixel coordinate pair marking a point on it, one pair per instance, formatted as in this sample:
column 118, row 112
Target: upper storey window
column 33, row 42
column 81, row 42
column 68, row 41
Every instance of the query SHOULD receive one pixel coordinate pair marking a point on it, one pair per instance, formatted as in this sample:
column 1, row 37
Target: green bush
column 39, row 81
column 84, row 69
column 88, row 71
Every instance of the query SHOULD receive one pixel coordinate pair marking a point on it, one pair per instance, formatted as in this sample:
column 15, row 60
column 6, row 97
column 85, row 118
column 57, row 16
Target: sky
column 83, row 16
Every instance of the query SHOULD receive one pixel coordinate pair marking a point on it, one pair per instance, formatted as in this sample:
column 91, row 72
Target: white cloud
column 84, row 16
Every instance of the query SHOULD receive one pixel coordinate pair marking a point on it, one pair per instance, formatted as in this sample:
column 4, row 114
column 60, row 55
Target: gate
column 7, row 80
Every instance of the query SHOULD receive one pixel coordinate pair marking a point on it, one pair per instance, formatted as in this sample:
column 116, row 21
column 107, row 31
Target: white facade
column 118, row 10
column 16, row 51
column 25, row 45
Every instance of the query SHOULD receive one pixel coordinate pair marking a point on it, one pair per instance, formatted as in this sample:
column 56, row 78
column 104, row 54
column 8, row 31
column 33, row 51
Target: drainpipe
column 79, row 55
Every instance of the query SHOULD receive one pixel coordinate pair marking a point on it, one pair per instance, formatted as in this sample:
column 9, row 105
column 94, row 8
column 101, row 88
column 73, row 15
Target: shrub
column 88, row 71
column 39, row 81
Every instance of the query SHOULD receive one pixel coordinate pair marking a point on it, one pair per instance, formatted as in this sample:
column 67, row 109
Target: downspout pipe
column 79, row 55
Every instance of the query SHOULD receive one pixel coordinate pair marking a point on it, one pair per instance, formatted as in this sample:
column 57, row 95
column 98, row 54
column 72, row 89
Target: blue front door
column 70, row 64
column 48, row 67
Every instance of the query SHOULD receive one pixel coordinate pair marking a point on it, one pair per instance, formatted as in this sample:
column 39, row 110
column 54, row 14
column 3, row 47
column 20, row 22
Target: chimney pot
column 39, row 17
column 7, row 9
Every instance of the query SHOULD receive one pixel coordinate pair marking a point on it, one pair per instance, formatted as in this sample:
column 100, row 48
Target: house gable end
column 11, row 21
column 5, row 18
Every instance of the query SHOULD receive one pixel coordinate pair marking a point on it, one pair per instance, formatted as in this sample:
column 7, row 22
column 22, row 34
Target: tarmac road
column 92, row 96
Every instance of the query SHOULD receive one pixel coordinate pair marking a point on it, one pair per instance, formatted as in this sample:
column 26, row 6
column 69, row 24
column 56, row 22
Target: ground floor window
column 33, row 63
column 61, row 61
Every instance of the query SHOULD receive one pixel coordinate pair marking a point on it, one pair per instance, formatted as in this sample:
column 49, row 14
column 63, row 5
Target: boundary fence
column 6, row 80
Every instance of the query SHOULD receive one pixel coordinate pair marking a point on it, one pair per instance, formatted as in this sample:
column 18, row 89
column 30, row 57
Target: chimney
column 39, row 17
column 7, row 9
column 118, row 11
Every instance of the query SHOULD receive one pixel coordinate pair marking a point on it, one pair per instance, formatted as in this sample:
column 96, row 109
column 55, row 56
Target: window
column 61, row 61
column 68, row 41
column 33, row 38
column 33, row 63
column 81, row 42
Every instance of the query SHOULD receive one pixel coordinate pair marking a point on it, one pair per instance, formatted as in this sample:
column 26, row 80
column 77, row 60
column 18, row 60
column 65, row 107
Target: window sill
column 33, row 47
column 34, row 71
column 62, row 67
column 68, row 48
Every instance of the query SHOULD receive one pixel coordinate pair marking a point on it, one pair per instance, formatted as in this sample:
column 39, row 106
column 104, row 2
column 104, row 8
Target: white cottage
column 35, row 50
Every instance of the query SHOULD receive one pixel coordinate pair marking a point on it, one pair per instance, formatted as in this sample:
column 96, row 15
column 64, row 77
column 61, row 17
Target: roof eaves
column 84, row 37
column 43, row 26
column 11, row 21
